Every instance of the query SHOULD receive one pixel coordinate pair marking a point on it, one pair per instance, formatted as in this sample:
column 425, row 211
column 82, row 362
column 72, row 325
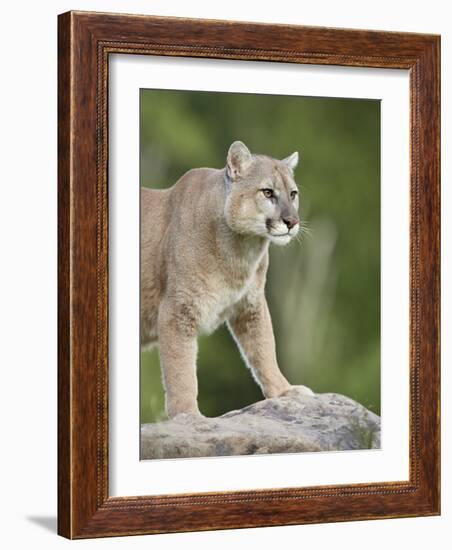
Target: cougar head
column 262, row 197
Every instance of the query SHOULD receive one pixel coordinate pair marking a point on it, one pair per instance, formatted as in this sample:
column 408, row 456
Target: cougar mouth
column 287, row 234
column 272, row 231
column 279, row 239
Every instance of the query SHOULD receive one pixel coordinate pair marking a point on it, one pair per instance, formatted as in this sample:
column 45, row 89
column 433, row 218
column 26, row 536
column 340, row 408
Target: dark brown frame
column 85, row 41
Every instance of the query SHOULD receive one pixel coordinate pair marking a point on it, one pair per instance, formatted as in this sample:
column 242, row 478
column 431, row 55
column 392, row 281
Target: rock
column 291, row 424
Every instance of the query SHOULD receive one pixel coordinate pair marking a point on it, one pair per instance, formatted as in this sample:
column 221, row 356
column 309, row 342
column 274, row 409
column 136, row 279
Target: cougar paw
column 298, row 391
column 187, row 416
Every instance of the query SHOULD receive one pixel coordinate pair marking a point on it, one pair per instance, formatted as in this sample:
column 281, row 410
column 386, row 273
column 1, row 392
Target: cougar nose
column 290, row 221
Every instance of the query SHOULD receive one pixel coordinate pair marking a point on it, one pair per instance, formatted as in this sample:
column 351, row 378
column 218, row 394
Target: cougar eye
column 293, row 195
column 268, row 193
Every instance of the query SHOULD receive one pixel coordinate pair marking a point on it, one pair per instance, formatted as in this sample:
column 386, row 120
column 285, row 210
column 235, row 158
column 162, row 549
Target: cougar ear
column 291, row 161
column 239, row 158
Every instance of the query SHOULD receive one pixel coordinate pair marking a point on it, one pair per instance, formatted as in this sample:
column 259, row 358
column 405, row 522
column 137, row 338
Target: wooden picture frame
column 85, row 42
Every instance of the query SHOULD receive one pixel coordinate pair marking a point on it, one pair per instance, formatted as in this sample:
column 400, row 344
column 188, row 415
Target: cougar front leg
column 178, row 350
column 252, row 328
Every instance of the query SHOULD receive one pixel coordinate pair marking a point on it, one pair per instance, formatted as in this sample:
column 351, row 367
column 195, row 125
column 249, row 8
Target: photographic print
column 285, row 255
column 260, row 274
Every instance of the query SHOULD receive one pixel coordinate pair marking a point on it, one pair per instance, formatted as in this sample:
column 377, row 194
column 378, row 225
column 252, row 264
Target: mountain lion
column 204, row 260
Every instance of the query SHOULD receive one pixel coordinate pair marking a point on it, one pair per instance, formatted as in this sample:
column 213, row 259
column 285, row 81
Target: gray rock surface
column 291, row 424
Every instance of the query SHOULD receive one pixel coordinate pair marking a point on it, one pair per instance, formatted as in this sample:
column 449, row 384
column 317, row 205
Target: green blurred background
column 323, row 294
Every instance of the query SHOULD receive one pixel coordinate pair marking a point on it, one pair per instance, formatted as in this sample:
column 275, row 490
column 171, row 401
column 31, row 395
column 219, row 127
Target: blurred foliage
column 323, row 294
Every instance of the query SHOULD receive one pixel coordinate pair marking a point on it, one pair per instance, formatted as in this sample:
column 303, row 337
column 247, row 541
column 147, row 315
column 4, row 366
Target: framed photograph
column 248, row 275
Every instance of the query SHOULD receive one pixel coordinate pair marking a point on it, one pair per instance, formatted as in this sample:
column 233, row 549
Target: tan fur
column 204, row 259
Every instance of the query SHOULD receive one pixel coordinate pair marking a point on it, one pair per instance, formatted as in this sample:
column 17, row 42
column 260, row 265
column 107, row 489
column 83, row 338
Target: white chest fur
column 218, row 304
